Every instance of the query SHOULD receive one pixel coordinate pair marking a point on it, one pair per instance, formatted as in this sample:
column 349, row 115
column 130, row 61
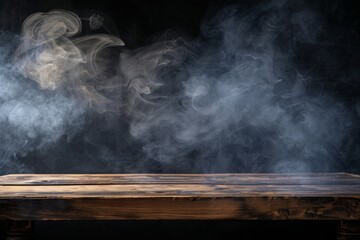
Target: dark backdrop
column 139, row 22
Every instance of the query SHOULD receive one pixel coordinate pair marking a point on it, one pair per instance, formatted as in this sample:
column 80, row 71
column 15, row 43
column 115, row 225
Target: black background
column 139, row 22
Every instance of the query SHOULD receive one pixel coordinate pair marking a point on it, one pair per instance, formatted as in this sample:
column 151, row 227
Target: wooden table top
column 180, row 196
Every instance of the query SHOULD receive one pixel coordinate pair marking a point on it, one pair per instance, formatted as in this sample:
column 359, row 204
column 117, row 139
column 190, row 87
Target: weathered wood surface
column 333, row 196
column 228, row 179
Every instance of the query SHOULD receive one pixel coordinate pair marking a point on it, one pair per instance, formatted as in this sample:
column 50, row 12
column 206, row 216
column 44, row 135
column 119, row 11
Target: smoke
column 48, row 56
column 239, row 98
column 30, row 119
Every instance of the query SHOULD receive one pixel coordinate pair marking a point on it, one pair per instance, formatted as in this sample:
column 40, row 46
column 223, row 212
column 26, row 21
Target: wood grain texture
column 333, row 196
column 229, row 179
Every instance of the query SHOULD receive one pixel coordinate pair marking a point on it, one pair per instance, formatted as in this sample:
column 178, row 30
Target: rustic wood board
column 323, row 196
column 229, row 179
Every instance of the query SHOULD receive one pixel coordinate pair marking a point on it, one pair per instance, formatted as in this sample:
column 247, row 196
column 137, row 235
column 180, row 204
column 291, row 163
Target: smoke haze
column 255, row 92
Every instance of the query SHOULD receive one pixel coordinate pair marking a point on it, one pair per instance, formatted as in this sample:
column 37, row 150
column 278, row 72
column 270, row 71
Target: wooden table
column 321, row 196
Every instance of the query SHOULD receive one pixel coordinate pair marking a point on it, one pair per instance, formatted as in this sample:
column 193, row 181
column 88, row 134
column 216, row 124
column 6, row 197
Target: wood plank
column 180, row 196
column 230, row 179
column 175, row 191
column 244, row 208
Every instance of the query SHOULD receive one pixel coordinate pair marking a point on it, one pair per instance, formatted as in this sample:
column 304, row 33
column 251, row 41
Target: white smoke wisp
column 53, row 54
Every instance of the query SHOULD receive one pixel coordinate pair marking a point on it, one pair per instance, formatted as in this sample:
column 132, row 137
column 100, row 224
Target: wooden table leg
column 349, row 230
column 18, row 230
